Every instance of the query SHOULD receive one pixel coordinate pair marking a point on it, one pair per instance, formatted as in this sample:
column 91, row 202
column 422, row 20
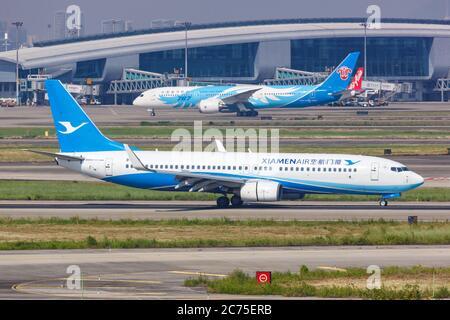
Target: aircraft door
column 374, row 171
column 108, row 167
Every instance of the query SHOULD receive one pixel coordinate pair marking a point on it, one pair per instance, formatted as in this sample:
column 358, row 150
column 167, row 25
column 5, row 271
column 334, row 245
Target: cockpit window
column 141, row 95
column 399, row 169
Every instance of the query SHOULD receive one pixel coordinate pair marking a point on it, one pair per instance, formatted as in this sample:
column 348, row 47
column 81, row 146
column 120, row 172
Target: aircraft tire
column 236, row 201
column 223, row 202
column 383, row 203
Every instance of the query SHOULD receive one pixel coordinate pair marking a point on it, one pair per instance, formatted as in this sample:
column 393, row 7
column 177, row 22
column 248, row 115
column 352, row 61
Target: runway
column 159, row 273
column 284, row 210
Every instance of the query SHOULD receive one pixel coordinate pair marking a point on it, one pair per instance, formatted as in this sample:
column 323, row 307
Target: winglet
column 219, row 146
column 135, row 161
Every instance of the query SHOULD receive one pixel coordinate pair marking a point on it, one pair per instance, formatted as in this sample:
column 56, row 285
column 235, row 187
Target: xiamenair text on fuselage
column 245, row 100
column 248, row 177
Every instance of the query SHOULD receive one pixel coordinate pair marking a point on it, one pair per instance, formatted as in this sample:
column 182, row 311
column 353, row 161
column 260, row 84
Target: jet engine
column 212, row 105
column 261, row 190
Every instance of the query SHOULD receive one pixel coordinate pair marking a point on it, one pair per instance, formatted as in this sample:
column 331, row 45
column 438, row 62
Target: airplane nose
column 418, row 179
column 138, row 102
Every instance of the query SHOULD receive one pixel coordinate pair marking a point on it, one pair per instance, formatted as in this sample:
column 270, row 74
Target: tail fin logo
column 357, row 80
column 69, row 127
column 344, row 72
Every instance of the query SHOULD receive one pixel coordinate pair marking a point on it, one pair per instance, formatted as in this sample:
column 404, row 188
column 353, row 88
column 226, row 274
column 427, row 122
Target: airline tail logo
column 69, row 128
column 356, row 84
column 344, row 72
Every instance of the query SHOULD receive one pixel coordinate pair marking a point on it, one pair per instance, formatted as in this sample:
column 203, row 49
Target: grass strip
column 75, row 233
column 397, row 283
column 290, row 132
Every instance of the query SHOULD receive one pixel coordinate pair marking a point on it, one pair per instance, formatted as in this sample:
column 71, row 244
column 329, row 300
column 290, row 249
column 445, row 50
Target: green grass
column 290, row 132
column 76, row 233
column 73, row 190
column 16, row 154
column 304, row 283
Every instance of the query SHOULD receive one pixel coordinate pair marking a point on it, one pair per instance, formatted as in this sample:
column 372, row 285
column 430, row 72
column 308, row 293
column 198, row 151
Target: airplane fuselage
column 265, row 97
column 296, row 173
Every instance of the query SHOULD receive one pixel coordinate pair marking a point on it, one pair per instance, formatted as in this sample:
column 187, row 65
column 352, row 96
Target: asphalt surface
column 284, row 210
column 129, row 115
column 160, row 273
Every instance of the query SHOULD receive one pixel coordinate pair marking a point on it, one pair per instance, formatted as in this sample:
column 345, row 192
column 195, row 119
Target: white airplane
column 248, row 177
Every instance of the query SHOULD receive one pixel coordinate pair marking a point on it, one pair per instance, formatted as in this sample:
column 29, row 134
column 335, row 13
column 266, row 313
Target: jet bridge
column 137, row 81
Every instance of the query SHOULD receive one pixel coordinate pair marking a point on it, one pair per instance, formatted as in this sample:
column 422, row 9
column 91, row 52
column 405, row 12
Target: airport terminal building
column 402, row 50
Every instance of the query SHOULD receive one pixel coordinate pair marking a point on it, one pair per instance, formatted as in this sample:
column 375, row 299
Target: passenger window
column 240, row 167
column 182, row 167
column 229, row 167
column 234, row 167
column 340, row 170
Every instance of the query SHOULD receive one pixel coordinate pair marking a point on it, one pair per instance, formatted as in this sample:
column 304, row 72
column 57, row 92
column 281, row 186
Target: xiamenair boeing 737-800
column 248, row 177
column 245, row 100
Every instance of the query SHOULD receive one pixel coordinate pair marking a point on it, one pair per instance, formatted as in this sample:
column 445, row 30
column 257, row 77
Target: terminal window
column 233, row 60
column 90, row 68
column 386, row 56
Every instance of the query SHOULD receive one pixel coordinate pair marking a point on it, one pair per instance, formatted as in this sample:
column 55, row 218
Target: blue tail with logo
column 75, row 130
column 340, row 78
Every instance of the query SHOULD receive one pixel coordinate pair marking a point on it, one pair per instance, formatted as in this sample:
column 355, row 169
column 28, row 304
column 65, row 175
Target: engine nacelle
column 212, row 105
column 261, row 190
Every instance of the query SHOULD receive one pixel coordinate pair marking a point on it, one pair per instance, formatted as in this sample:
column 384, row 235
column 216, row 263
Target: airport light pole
column 365, row 48
column 186, row 27
column 18, row 24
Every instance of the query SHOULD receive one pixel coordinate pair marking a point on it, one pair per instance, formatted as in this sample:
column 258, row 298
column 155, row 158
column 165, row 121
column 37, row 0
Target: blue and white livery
column 245, row 100
column 248, row 177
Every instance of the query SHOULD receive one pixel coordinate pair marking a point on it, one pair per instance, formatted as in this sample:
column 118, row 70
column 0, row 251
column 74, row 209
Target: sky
column 37, row 14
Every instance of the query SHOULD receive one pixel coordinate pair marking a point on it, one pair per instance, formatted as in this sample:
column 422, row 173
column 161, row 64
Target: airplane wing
column 56, row 155
column 198, row 181
column 242, row 96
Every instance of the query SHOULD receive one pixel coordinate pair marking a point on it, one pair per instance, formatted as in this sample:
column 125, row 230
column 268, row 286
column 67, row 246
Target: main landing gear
column 247, row 113
column 224, row 202
column 383, row 203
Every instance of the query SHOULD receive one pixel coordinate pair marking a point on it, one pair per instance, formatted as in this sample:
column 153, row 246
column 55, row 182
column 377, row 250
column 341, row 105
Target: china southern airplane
column 246, row 99
column 248, row 177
